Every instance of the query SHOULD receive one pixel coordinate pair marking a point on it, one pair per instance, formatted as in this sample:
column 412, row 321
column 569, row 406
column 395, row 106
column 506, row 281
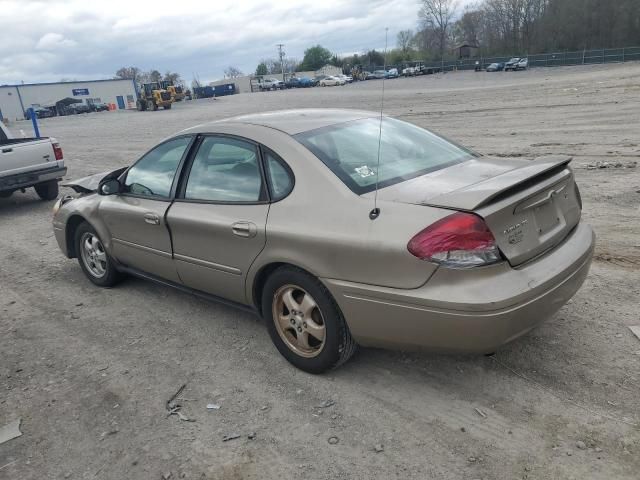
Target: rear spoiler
column 481, row 193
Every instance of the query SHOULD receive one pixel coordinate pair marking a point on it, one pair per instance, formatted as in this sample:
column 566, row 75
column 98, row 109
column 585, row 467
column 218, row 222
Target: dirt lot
column 89, row 370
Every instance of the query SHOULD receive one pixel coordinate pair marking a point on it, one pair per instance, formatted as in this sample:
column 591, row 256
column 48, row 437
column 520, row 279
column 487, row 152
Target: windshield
column 350, row 150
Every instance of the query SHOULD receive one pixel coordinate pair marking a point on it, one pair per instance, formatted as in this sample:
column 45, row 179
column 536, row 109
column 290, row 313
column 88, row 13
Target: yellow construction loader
column 152, row 96
column 176, row 91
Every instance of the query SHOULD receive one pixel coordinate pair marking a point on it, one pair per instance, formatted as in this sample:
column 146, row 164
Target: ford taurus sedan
column 338, row 236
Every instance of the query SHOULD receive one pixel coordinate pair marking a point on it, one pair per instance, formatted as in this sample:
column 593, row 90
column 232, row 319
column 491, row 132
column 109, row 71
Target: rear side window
column 225, row 170
column 350, row 150
column 3, row 136
column 279, row 176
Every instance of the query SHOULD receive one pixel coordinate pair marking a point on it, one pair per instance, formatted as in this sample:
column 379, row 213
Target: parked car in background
column 379, row 74
column 512, row 64
column 466, row 253
column 330, row 81
column 293, row 82
column 80, row 108
column 495, row 67
column 30, row 162
column 523, row 64
column 40, row 112
column 306, row 82
column 345, row 78
column 408, row 72
column 369, row 76
column 271, row 84
column 99, row 107
column 392, row 73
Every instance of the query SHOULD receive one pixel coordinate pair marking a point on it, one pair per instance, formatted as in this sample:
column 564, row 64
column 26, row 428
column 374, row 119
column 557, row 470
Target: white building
column 16, row 99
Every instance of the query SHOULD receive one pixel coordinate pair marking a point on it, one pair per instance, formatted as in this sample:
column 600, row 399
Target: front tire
column 47, row 190
column 304, row 321
column 94, row 260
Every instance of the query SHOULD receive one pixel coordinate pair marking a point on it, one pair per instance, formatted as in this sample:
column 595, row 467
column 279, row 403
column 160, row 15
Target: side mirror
column 109, row 187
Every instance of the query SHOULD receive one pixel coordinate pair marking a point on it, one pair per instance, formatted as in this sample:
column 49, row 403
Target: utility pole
column 281, row 55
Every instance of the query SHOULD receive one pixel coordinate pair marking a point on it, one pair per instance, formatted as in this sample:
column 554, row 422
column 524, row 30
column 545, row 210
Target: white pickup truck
column 30, row 162
column 271, row 84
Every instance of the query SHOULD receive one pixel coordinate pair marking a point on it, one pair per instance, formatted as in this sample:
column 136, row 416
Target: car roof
column 296, row 121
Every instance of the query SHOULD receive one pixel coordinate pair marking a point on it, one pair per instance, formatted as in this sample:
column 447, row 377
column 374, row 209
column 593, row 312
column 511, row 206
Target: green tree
column 262, row 69
column 315, row 58
column 374, row 58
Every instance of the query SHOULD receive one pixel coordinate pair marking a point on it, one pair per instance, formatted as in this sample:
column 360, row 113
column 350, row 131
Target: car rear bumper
column 29, row 179
column 473, row 311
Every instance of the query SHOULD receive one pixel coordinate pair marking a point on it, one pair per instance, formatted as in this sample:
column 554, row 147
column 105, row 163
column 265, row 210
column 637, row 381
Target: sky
column 51, row 40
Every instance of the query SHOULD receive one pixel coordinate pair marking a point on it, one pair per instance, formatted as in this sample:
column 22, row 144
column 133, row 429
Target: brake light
column 57, row 151
column 461, row 240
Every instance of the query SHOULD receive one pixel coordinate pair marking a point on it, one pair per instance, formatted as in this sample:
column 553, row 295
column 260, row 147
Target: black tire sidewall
column 335, row 327
column 112, row 275
column 47, row 190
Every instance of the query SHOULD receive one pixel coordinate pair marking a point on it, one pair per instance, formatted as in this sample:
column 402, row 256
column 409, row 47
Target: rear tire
column 47, row 190
column 97, row 266
column 167, row 107
column 337, row 345
column 6, row 194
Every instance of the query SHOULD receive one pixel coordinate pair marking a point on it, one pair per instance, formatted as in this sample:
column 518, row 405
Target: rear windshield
column 350, row 150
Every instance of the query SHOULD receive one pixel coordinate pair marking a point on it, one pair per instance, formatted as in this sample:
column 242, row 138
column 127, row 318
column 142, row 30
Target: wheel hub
column 299, row 321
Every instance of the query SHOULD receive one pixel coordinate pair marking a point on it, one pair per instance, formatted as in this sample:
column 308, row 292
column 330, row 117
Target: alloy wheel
column 299, row 321
column 93, row 255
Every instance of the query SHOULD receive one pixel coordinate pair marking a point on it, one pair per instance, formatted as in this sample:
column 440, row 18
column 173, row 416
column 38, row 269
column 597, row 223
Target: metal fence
column 556, row 59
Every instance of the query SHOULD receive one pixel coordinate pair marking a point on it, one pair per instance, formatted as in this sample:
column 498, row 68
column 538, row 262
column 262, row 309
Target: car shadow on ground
column 23, row 203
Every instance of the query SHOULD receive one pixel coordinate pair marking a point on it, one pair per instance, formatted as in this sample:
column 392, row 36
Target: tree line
column 496, row 27
column 139, row 76
column 526, row 26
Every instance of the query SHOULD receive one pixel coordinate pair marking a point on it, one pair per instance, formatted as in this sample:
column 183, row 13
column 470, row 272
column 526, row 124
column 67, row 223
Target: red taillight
column 57, row 151
column 459, row 240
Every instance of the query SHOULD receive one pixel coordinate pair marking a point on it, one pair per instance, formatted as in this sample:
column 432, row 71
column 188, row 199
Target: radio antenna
column 375, row 213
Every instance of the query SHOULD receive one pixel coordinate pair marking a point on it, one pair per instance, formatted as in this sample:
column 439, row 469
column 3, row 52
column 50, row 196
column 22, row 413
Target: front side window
column 350, row 150
column 153, row 174
column 225, row 170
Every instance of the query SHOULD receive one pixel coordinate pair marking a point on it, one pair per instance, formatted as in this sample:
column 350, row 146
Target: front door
column 136, row 218
column 219, row 218
column 120, row 100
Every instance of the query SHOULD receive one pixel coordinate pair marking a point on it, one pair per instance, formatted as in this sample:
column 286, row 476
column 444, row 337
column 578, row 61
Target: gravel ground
column 89, row 370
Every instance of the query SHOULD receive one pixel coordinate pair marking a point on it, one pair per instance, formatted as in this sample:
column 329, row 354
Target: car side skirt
column 207, row 296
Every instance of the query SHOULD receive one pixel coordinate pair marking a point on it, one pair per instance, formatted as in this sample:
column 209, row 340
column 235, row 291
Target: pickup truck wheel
column 94, row 260
column 47, row 190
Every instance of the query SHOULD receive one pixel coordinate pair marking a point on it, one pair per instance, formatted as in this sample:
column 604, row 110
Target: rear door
column 136, row 218
column 218, row 220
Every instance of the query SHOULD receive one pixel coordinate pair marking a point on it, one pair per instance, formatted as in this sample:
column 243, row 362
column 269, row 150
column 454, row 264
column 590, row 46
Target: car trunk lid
column 529, row 206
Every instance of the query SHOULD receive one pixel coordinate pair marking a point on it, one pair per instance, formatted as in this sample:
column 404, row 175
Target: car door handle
column 152, row 218
column 7, row 150
column 244, row 229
